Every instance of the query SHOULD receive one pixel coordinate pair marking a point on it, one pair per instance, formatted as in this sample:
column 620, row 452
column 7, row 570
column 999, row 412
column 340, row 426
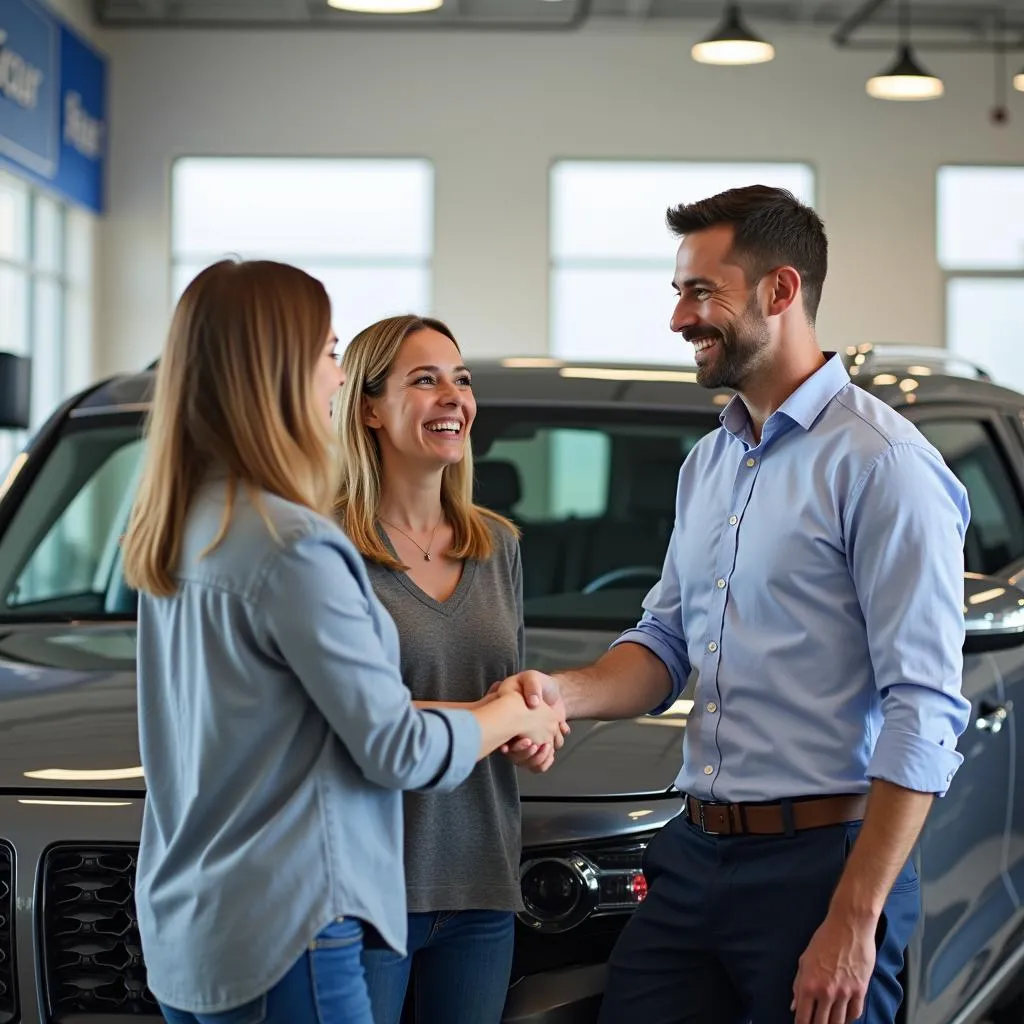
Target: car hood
column 68, row 718
column 67, row 708
column 634, row 757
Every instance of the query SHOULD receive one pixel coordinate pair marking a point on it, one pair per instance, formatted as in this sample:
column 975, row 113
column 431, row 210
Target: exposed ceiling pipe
column 336, row 20
column 843, row 35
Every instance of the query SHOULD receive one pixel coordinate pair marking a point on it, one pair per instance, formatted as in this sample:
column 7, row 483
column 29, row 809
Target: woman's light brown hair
column 368, row 362
column 234, row 395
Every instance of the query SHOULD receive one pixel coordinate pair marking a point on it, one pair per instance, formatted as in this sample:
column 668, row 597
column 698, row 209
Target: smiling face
column 718, row 310
column 427, row 408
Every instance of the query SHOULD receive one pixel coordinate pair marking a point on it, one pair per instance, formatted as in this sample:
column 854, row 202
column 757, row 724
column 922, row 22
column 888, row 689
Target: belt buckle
column 702, row 823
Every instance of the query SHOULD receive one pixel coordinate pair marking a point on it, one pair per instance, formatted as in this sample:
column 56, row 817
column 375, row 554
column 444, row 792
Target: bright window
column 46, row 258
column 980, row 246
column 612, row 255
column 981, row 218
column 363, row 227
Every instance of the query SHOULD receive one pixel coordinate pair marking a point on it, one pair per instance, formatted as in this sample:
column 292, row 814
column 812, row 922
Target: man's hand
column 832, row 979
column 834, row 971
column 536, row 688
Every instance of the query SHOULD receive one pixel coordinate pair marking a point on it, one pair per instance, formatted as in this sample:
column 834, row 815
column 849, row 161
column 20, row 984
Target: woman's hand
column 542, row 726
column 536, row 688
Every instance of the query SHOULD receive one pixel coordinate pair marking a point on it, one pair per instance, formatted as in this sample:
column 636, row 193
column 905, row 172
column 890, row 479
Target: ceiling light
column 1018, row 81
column 385, row 6
column 905, row 79
column 732, row 43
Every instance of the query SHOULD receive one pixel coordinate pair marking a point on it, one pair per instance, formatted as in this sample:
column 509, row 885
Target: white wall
column 493, row 110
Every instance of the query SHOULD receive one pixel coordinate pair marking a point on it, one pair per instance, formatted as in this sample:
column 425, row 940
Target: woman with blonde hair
column 449, row 573
column 274, row 727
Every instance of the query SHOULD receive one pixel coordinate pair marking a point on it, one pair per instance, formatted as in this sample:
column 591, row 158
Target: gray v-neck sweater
column 462, row 848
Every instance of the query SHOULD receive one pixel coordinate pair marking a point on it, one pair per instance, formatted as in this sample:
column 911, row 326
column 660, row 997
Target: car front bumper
column 568, row 996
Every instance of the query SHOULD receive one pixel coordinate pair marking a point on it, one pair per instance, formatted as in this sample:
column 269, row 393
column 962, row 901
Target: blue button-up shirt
column 276, row 734
column 814, row 580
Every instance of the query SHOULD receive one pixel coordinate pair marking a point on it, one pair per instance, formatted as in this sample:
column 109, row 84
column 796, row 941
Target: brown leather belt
column 782, row 818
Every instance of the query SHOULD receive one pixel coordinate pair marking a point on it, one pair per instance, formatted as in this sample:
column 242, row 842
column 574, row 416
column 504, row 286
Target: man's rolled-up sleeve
column 660, row 629
column 905, row 528
column 316, row 617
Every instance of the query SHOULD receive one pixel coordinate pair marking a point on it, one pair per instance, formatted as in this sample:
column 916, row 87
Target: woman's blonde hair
column 234, row 395
column 368, row 362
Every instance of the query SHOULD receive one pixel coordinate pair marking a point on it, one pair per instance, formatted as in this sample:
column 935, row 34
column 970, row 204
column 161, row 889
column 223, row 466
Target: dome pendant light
column 385, row 6
column 905, row 80
column 732, row 43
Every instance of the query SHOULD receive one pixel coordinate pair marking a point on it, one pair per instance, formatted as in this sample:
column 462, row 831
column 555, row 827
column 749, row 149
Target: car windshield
column 592, row 490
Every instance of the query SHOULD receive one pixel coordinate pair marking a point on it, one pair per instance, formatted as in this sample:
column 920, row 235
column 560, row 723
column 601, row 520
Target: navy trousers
column 726, row 920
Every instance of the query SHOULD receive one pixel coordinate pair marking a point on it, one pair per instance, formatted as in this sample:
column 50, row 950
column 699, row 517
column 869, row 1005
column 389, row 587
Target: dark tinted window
column 594, row 495
column 995, row 537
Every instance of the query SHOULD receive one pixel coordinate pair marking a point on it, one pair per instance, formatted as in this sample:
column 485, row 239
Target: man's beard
column 740, row 347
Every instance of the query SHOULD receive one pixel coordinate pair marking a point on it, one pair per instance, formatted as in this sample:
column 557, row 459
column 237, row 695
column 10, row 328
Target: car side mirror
column 993, row 614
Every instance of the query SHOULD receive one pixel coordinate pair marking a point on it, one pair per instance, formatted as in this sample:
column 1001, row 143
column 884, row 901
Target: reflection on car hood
column 67, row 708
column 68, row 718
column 639, row 756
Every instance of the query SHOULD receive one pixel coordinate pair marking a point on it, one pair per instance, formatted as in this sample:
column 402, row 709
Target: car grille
column 8, row 991
column 92, row 954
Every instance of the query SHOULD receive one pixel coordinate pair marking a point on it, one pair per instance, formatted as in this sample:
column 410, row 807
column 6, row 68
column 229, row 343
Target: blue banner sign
column 53, row 99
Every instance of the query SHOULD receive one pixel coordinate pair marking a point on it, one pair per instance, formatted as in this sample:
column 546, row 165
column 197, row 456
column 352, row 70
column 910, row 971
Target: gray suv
column 585, row 459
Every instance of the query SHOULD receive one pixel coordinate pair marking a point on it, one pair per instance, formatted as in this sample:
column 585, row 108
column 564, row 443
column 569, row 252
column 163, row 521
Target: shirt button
column 712, row 647
column 708, row 769
column 750, row 463
column 733, row 520
column 721, row 584
column 711, row 706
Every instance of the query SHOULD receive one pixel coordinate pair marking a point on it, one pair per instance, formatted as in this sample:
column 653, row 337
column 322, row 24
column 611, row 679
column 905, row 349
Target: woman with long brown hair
column 274, row 726
column 449, row 574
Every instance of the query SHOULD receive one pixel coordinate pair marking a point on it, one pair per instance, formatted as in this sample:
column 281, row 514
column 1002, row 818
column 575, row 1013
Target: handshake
column 541, row 710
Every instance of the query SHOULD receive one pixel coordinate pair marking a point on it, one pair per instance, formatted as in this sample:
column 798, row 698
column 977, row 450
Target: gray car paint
column 67, row 701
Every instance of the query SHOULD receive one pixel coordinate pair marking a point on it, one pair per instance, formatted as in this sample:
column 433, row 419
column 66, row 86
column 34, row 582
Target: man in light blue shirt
column 814, row 583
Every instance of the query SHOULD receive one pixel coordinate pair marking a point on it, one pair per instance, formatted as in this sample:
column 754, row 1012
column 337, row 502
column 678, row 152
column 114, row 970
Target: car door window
column 995, row 536
column 60, row 554
column 594, row 496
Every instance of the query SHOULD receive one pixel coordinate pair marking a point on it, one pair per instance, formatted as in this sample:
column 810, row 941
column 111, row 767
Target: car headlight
column 561, row 890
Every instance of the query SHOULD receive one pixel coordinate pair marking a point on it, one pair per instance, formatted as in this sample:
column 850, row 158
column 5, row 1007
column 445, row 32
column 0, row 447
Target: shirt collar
column 803, row 407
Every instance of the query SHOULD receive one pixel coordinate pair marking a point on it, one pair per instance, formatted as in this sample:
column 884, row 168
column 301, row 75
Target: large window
column 363, row 227
column 612, row 256
column 45, row 296
column 980, row 233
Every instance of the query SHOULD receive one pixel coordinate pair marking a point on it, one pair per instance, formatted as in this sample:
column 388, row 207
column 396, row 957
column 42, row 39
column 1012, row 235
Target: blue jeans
column 459, row 961
column 727, row 918
column 325, row 986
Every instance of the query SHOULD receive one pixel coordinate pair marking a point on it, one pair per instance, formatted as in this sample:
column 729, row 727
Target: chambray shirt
column 815, row 582
column 276, row 734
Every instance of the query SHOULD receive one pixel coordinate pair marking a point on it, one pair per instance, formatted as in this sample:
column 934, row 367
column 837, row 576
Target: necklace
column 425, row 550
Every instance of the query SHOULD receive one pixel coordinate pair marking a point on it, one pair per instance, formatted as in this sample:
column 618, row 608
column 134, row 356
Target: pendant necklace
column 425, row 550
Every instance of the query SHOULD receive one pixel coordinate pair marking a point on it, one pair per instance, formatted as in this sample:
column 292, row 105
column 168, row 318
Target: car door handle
column 993, row 716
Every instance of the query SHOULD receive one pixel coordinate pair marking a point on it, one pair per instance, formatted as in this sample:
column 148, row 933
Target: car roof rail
column 910, row 357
